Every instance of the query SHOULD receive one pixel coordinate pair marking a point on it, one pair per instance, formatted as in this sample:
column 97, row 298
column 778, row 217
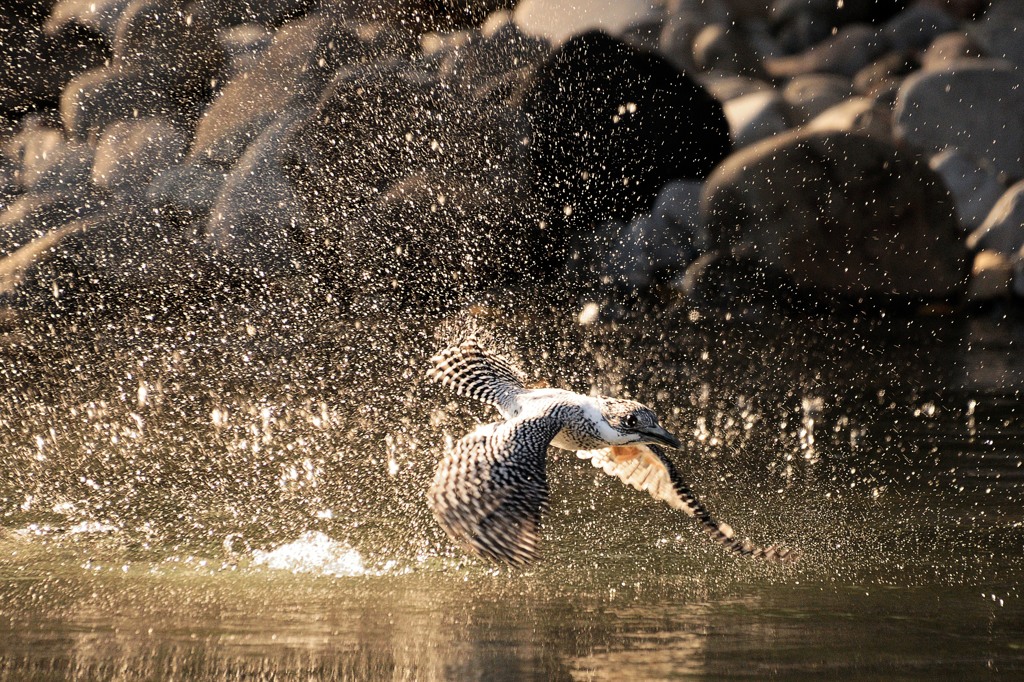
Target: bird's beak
column 656, row 434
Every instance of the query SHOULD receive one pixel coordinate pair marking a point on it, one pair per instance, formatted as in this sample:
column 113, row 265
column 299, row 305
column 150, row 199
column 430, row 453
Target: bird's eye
column 629, row 421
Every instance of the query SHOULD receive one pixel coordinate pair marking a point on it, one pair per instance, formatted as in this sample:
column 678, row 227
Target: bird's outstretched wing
column 475, row 372
column 490, row 489
column 645, row 467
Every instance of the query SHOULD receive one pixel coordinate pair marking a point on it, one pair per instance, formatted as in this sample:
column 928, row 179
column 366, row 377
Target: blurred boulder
column 166, row 37
column 189, row 190
column 810, row 95
column 885, row 72
column 991, row 276
column 974, row 186
column 845, row 53
column 36, row 64
column 45, row 161
column 948, row 48
column 756, row 116
column 243, row 46
column 726, row 86
column 838, row 213
column 270, row 13
column 99, row 16
column 131, row 153
column 398, row 164
column 291, row 73
column 855, row 115
column 976, row 106
column 1003, row 228
column 256, row 218
column 726, row 48
column 915, row 28
column 100, row 97
column 124, row 259
column 34, row 214
column 612, row 124
column 1000, row 32
column 558, row 20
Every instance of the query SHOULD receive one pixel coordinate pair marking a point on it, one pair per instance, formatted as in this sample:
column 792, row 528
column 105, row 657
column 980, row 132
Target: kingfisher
column 490, row 490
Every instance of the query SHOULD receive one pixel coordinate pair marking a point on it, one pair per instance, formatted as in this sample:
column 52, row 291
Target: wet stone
column 727, row 49
column 855, row 115
column 812, row 94
column 612, row 124
column 974, row 186
column 131, row 153
column 838, row 213
column 886, row 72
column 756, row 116
column 916, row 27
column 1003, row 228
column 558, row 20
column 846, row 53
column 291, row 72
column 977, row 106
column 948, row 48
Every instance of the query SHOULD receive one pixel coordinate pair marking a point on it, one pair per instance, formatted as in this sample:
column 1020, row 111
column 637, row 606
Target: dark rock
column 480, row 63
column 397, row 166
column 741, row 288
column 291, row 73
column 725, row 86
column 45, row 161
column 756, row 116
column 845, row 53
column 810, row 95
column 884, row 73
column 675, row 43
column 35, row 214
column 165, row 39
column 916, row 27
column 558, row 20
column 243, row 45
column 1003, row 228
column 991, row 277
column 131, row 153
column 612, row 124
column 975, row 187
column 36, row 64
column 256, row 219
column 126, row 259
column 429, row 240
column 101, row 97
column 855, row 115
column 838, row 213
column 978, row 106
column 224, row 13
column 99, row 16
column 1001, row 31
column 189, row 190
column 948, row 48
column 644, row 35
column 726, row 48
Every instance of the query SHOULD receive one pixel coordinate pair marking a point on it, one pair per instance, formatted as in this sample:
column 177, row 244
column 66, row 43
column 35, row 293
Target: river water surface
column 249, row 505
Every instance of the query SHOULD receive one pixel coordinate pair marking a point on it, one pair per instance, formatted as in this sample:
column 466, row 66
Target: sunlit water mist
column 276, row 472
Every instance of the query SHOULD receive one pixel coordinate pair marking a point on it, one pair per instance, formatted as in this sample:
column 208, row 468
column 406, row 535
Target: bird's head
column 635, row 423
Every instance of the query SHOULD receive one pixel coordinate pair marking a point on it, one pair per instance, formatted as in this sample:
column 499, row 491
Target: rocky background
column 161, row 158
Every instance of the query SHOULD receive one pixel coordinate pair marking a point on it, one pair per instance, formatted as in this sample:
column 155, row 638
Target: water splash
column 313, row 552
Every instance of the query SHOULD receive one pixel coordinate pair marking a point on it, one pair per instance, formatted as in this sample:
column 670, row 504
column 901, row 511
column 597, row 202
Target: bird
column 490, row 490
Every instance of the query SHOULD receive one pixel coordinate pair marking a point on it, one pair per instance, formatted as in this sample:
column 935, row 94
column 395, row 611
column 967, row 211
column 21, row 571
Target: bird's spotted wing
column 645, row 467
column 490, row 489
column 473, row 371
